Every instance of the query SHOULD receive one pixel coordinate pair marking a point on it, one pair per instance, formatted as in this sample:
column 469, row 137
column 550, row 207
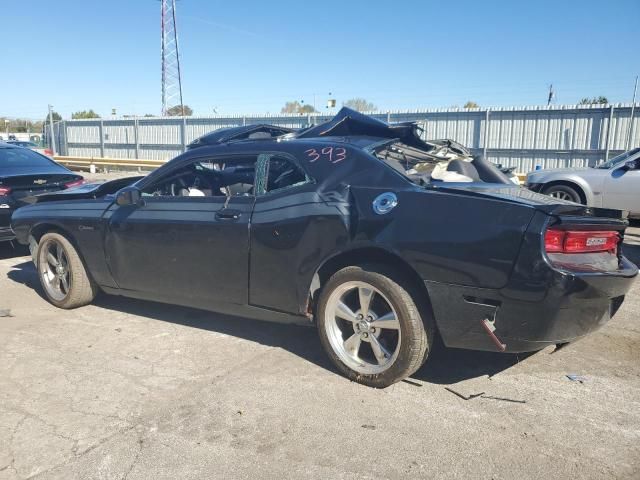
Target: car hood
column 524, row 196
column 86, row 191
column 559, row 170
column 543, row 176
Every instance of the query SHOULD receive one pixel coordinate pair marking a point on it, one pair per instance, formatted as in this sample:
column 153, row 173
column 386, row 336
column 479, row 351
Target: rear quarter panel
column 448, row 238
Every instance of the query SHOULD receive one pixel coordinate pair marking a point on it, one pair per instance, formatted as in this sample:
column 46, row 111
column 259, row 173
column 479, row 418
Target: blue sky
column 252, row 56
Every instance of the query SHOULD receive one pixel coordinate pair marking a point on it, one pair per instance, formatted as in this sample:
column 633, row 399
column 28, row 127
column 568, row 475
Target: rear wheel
column 563, row 192
column 373, row 325
column 62, row 274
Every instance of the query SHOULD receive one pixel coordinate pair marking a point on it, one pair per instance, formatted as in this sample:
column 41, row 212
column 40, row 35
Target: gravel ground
column 138, row 390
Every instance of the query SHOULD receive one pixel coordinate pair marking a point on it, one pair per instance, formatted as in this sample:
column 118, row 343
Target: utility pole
column 52, row 141
column 171, row 75
column 633, row 107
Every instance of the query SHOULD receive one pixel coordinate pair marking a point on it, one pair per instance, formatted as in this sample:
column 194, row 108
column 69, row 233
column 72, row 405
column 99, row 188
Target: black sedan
column 349, row 226
column 24, row 173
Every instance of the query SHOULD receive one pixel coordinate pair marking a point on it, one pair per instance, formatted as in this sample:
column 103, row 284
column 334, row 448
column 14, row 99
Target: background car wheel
column 373, row 325
column 563, row 192
column 62, row 273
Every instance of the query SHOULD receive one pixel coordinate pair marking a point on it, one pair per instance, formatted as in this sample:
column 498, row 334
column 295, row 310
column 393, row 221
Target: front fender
column 543, row 179
column 80, row 220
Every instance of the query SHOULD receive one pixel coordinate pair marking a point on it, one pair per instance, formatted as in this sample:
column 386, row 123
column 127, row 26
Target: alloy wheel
column 362, row 327
column 54, row 270
column 561, row 195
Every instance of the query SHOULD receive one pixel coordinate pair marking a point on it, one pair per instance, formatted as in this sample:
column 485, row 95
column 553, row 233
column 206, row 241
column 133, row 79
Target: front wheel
column 373, row 325
column 62, row 274
column 563, row 192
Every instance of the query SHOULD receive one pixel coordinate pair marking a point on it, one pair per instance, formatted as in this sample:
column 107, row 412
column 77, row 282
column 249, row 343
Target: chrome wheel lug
column 360, row 316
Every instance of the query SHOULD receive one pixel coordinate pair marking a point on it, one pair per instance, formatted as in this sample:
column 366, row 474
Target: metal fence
column 524, row 137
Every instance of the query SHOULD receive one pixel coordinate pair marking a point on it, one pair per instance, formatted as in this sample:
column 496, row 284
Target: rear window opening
column 437, row 161
column 22, row 157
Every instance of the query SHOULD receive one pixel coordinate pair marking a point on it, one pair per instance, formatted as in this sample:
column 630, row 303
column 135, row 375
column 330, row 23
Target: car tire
column 353, row 343
column 563, row 192
column 62, row 274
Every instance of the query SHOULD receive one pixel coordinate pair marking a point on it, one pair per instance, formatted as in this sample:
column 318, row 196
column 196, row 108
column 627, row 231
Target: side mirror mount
column 632, row 164
column 129, row 196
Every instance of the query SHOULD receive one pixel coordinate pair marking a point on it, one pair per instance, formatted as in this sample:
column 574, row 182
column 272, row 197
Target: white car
column 613, row 184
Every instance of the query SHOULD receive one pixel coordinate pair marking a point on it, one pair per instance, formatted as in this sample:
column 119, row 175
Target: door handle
column 228, row 214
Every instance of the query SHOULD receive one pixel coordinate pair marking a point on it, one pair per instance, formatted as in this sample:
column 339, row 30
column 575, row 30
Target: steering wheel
column 176, row 185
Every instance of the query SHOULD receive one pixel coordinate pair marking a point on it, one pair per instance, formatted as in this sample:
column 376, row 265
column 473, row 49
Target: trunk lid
column 23, row 186
column 516, row 194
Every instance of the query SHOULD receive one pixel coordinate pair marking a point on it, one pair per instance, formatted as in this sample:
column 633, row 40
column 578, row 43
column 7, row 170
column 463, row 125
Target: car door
column 622, row 188
column 284, row 232
column 181, row 248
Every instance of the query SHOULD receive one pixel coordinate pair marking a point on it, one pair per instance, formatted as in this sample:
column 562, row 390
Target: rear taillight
column 571, row 241
column 75, row 183
column 48, row 152
column 4, row 191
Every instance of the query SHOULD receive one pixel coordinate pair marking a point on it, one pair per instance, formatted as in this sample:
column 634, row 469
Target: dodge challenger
column 378, row 238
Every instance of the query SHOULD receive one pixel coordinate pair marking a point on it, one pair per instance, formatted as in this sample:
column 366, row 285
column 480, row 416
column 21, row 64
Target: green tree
column 291, row 107
column 178, row 110
column 55, row 115
column 471, row 104
column 84, row 114
column 297, row 107
column 20, row 125
column 594, row 101
column 360, row 104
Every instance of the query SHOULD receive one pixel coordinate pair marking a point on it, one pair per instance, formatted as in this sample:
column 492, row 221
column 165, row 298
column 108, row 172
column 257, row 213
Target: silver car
column 612, row 184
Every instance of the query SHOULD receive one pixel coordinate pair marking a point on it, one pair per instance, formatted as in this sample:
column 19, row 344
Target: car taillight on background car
column 48, row 152
column 574, row 241
column 75, row 183
column 4, row 191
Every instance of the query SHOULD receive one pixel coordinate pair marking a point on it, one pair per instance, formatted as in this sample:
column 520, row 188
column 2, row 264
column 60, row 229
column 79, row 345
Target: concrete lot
column 132, row 389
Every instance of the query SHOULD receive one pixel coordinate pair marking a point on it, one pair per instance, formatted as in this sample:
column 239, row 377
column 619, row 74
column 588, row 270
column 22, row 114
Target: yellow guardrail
column 107, row 162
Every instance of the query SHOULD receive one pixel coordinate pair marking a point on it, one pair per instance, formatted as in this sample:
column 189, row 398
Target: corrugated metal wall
column 552, row 137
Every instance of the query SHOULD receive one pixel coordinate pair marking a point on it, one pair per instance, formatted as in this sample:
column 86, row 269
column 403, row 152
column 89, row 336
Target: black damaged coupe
column 381, row 239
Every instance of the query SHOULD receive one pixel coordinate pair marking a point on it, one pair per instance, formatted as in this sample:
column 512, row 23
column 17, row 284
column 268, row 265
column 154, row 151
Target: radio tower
column 171, row 77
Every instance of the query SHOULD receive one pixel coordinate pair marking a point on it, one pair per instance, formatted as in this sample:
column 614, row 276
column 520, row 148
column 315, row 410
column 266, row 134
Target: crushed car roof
column 260, row 131
column 346, row 123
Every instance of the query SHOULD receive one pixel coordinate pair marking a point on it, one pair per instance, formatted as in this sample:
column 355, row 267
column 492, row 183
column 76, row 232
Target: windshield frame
column 618, row 159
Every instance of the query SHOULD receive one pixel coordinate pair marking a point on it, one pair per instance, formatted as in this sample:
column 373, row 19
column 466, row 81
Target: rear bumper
column 535, row 187
column 6, row 234
column 5, row 222
column 571, row 306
